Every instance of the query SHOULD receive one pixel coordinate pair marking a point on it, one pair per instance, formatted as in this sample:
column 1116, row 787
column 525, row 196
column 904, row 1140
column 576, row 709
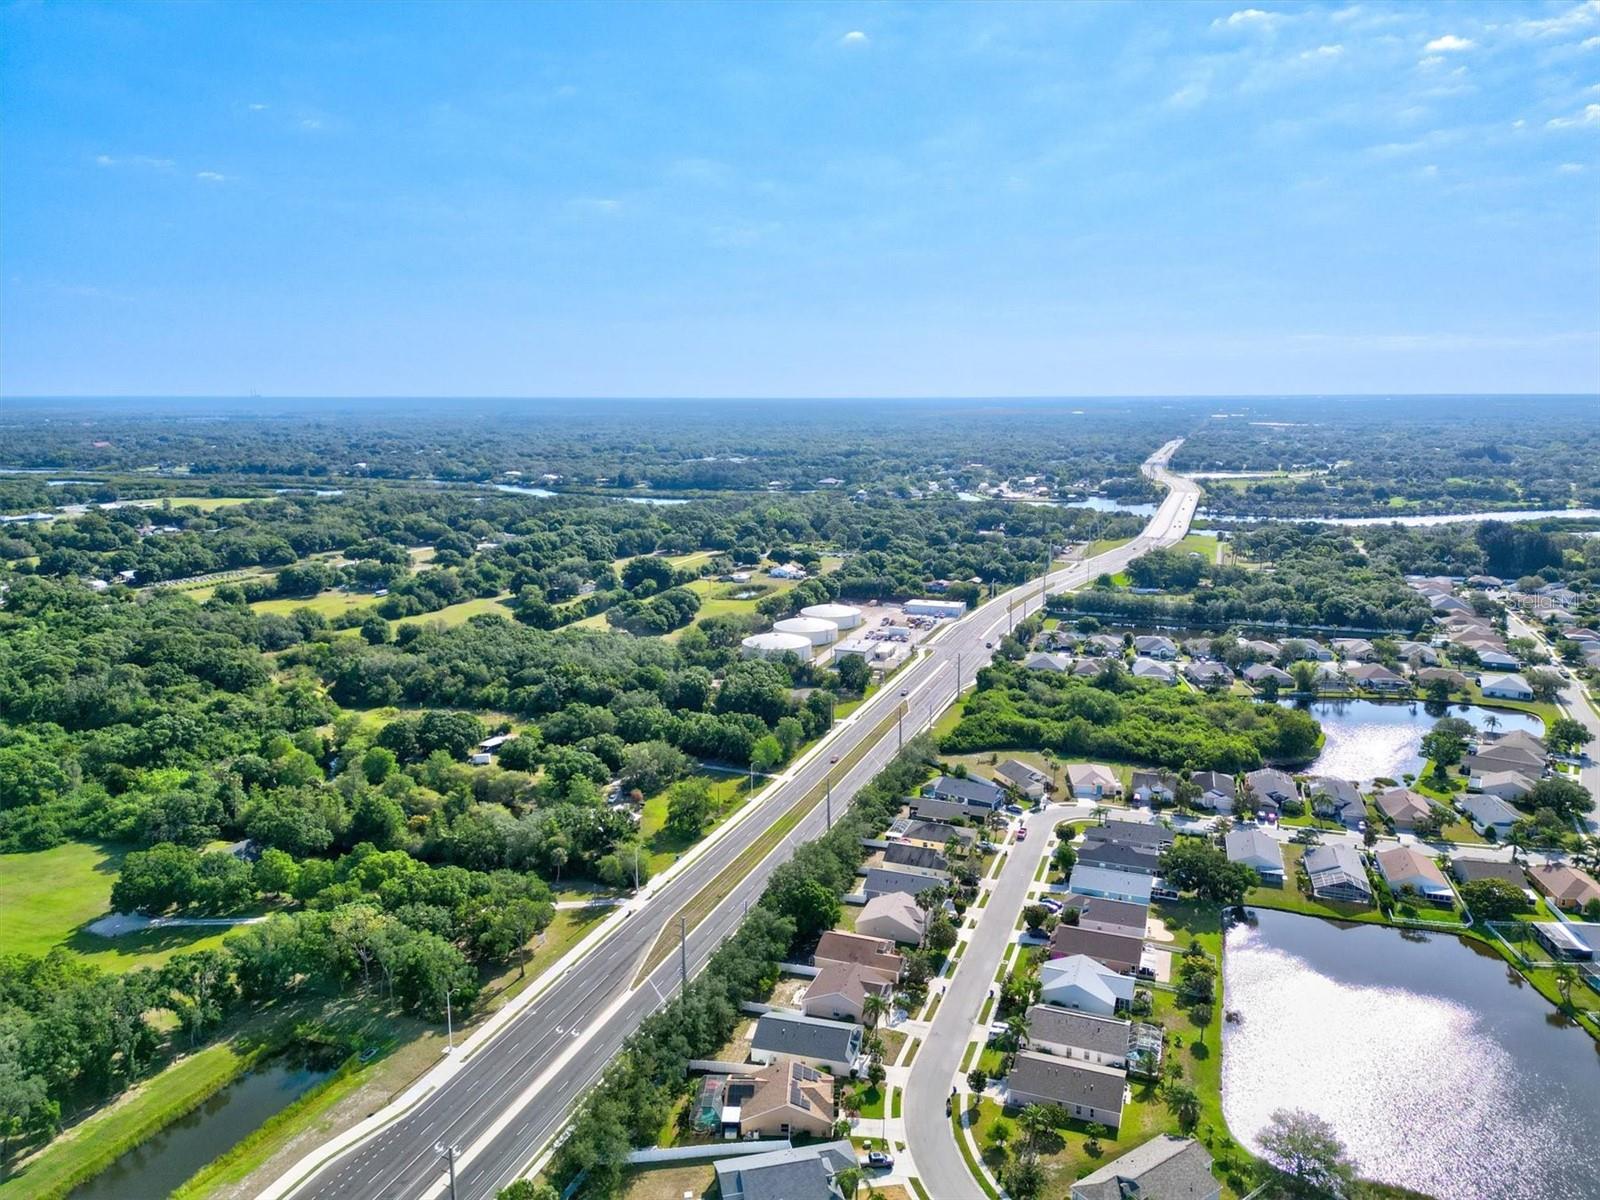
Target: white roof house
column 1093, row 781
column 1255, row 848
column 1080, row 982
column 893, row 915
column 1111, row 884
column 1488, row 811
column 1158, row 672
column 1507, row 687
column 1504, row 785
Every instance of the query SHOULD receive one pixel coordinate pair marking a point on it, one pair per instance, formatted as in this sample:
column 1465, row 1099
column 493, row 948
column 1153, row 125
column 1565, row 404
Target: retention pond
column 1439, row 1067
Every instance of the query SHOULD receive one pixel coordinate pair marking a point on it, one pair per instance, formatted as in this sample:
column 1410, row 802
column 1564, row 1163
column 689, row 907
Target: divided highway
column 508, row 1091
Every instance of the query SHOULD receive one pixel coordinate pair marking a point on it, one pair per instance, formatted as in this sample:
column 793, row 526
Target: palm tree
column 1184, row 1103
column 849, row 1180
column 1566, row 975
column 1491, row 722
column 873, row 1008
column 1099, row 812
column 1035, row 1123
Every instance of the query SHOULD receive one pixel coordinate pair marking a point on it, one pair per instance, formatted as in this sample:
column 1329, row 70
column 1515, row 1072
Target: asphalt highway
column 508, row 1092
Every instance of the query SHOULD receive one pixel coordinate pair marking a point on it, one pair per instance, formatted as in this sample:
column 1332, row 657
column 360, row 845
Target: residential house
column 798, row 1173
column 1154, row 671
column 1569, row 941
column 882, row 879
column 1355, row 649
column 1083, row 984
column 1090, row 667
column 1406, row 867
column 1150, row 834
column 1335, row 799
column 1085, row 1091
column 973, row 793
column 1069, row 1033
column 1497, row 660
column 1217, row 790
column 1377, row 678
column 1156, row 646
column 1030, row 781
column 1303, row 649
column 1121, row 953
column 878, row 953
column 1120, row 856
column 1110, row 916
column 1485, row 581
column 827, row 1045
column 1154, row 786
column 1336, row 873
column 1504, row 786
column 1506, row 687
column 1042, row 661
column 1205, row 674
column 932, row 833
column 840, row 991
column 1111, row 884
column 1269, row 789
column 1093, row 781
column 1257, row 674
column 1471, row 870
column 1564, row 886
column 1105, row 644
column 893, row 916
column 1259, row 650
column 1198, row 647
column 1520, row 757
column 786, row 1099
column 1330, row 675
column 1403, row 807
column 1449, row 604
column 1487, row 810
column 1455, row 680
column 906, row 854
column 789, row 570
column 1164, row 1168
column 1419, row 654
column 1254, row 847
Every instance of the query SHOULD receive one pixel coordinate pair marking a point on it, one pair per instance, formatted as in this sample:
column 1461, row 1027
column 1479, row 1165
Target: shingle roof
column 1117, row 951
column 1132, row 833
column 903, row 854
column 969, row 791
column 1164, row 1168
column 1066, row 1081
column 798, row 1173
column 1068, row 1027
column 806, row 1037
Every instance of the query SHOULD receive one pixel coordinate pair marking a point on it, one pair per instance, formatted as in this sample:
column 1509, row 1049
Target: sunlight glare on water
column 1421, row 1090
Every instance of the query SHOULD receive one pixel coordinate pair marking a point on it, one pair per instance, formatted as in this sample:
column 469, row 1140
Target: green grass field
column 665, row 846
column 459, row 614
column 47, row 897
column 327, row 604
column 1206, row 547
column 212, row 503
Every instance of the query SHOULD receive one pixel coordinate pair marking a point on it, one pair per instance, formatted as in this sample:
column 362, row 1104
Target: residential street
column 1576, row 706
column 939, row 1163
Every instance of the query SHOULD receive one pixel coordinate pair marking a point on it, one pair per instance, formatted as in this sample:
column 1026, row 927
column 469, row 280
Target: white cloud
column 597, row 204
column 1189, row 95
column 1429, row 171
column 1321, row 54
column 1591, row 43
column 311, row 123
column 1449, row 42
column 1589, row 116
column 1247, row 18
column 1570, row 169
column 211, row 176
column 137, row 160
column 1579, row 16
column 854, row 38
column 258, row 108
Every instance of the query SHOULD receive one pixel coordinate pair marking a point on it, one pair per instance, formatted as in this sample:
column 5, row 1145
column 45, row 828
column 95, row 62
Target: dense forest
column 1116, row 717
column 1372, row 457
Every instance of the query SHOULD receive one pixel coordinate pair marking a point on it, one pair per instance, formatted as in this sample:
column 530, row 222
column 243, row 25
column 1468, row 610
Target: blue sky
column 782, row 200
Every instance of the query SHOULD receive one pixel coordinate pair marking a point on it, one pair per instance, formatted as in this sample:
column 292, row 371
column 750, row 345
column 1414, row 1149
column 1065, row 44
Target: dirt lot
column 672, row 1183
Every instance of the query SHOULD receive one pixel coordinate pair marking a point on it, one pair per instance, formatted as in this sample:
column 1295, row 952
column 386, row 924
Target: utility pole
column 828, row 795
column 448, row 1153
column 900, row 722
column 683, row 951
column 449, row 1025
column 958, row 674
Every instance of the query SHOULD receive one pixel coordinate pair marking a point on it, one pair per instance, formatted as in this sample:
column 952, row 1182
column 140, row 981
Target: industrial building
column 843, row 616
column 776, row 645
column 935, row 608
column 816, row 631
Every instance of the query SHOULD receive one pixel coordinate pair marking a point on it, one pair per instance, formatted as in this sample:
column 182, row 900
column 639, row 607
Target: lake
column 1371, row 739
column 159, row 1164
column 546, row 492
column 1437, row 1071
column 1093, row 503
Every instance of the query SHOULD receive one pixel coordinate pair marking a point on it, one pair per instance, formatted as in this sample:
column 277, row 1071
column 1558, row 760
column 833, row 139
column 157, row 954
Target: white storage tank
column 776, row 645
column 815, row 630
column 843, row 616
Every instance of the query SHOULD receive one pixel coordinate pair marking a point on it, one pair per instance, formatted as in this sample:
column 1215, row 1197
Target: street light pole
column 448, row 1153
column 828, row 795
column 449, row 1025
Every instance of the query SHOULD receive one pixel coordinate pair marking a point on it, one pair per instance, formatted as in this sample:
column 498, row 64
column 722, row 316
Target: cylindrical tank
column 776, row 645
column 816, row 631
column 844, row 616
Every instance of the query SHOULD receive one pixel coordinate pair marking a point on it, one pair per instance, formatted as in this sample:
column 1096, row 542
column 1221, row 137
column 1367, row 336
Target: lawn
column 1194, row 543
column 1290, row 898
column 212, row 503
column 458, row 614
column 328, row 604
column 47, row 897
column 664, row 845
column 670, row 1182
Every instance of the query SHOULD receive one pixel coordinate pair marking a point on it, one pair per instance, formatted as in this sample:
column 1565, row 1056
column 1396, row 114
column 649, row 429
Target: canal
column 1439, row 1067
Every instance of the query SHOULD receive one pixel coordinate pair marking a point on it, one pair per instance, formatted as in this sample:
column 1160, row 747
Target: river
column 1438, row 1066
column 1374, row 739
column 1527, row 514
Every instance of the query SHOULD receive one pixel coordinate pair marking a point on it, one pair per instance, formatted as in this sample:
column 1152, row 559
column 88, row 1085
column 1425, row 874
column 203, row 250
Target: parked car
column 1016, row 810
column 881, row 1158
